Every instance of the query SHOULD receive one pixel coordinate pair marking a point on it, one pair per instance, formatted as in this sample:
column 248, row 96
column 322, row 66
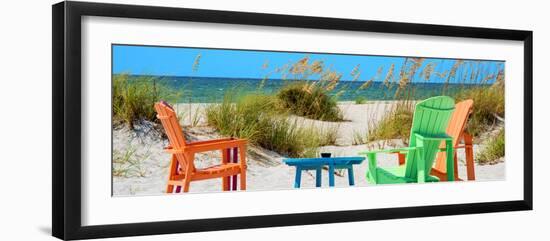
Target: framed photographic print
column 169, row 120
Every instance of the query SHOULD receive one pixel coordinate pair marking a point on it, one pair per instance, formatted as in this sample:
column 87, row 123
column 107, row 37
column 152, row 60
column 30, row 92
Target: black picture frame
column 66, row 127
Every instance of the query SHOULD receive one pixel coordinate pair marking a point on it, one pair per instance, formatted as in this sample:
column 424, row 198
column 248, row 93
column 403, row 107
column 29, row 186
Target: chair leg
column 456, row 164
column 173, row 172
column 243, row 167
column 225, row 180
column 169, row 188
column 188, row 175
column 234, row 177
column 225, row 183
column 372, row 172
column 420, row 161
column 450, row 160
column 186, row 183
column 468, row 142
column 243, row 180
column 401, row 158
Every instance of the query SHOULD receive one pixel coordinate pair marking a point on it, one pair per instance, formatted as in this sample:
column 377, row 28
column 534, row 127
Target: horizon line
column 250, row 78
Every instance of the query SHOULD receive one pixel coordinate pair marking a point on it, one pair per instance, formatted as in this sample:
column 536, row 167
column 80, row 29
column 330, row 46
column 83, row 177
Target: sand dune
column 266, row 171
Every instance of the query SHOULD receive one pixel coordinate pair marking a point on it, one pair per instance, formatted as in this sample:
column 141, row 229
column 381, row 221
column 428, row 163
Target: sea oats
column 356, row 72
column 366, row 84
column 196, row 63
column 389, row 76
column 427, row 71
column 317, row 67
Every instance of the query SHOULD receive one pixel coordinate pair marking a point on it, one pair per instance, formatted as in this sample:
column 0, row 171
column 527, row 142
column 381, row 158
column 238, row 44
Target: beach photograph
column 199, row 120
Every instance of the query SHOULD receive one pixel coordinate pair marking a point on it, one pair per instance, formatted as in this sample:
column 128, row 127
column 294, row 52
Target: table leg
column 331, row 175
column 318, row 177
column 298, row 177
column 350, row 176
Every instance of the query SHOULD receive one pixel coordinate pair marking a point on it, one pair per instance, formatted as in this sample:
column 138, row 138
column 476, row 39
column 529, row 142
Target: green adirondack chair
column 430, row 120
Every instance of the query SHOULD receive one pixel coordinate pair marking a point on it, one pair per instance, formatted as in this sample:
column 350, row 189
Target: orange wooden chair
column 455, row 129
column 182, row 167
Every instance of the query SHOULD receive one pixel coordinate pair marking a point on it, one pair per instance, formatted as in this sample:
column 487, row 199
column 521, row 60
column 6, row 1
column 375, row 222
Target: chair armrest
column 395, row 150
column 211, row 141
column 207, row 146
column 212, row 146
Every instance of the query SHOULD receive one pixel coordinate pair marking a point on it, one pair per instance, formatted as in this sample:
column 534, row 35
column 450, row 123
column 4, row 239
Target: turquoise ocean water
column 210, row 89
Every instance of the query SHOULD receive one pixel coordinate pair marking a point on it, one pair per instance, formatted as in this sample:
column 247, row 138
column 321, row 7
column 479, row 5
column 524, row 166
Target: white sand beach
column 148, row 169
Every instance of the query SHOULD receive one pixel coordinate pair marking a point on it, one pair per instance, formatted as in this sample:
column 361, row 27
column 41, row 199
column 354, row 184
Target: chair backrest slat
column 431, row 118
column 172, row 128
column 459, row 119
column 456, row 128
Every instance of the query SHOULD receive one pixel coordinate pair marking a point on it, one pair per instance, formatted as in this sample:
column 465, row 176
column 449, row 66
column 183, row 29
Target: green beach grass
column 488, row 107
column 307, row 90
column 493, row 151
column 396, row 124
column 255, row 118
column 127, row 163
column 134, row 98
column 310, row 101
column 310, row 90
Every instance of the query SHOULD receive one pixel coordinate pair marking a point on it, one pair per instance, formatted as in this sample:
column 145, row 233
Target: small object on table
column 317, row 164
column 325, row 154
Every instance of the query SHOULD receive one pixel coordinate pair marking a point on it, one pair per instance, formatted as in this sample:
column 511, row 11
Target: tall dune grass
column 255, row 118
column 312, row 90
column 307, row 92
column 395, row 124
column 134, row 97
column 494, row 150
column 488, row 107
column 309, row 101
column 243, row 117
column 488, row 98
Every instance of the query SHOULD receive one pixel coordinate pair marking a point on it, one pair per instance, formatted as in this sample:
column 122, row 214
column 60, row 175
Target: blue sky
column 178, row 61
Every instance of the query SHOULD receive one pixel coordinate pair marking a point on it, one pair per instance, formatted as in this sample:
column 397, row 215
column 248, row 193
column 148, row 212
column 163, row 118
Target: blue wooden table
column 333, row 163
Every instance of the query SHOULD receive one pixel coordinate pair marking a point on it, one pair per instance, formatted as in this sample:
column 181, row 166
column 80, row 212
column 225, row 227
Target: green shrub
column 309, row 100
column 360, row 100
column 134, row 98
column 493, row 151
